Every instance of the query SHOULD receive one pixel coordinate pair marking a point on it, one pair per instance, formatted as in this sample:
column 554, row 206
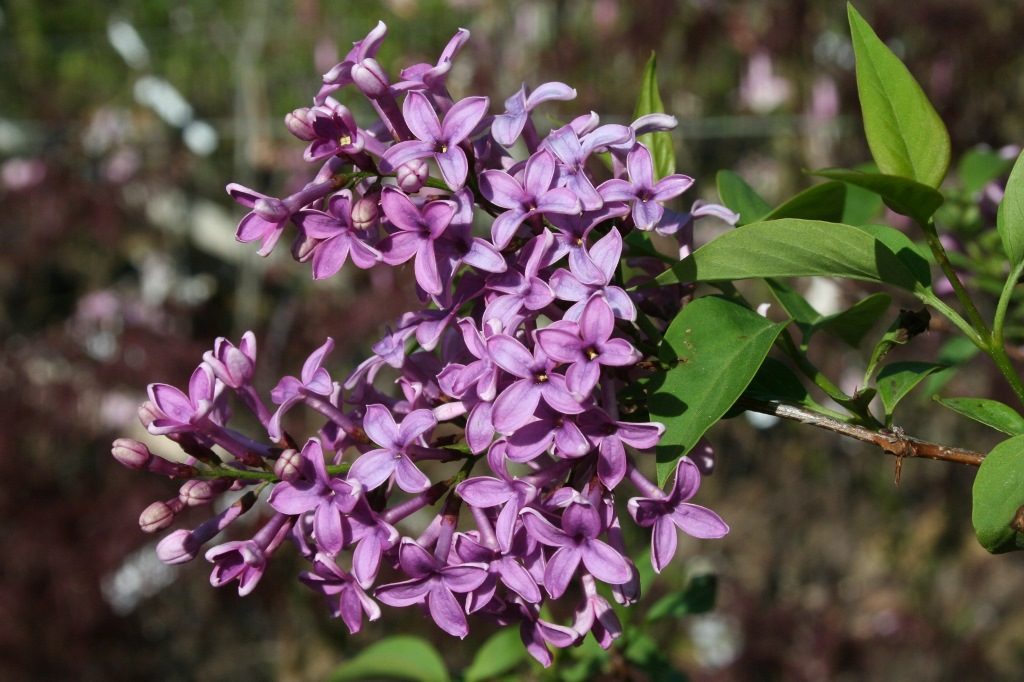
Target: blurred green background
column 120, row 124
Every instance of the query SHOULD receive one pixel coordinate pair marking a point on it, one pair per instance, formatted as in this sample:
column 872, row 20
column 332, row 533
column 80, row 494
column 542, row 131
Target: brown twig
column 892, row 442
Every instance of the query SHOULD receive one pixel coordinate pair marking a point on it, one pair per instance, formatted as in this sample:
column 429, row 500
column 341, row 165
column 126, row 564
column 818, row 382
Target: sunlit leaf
column 649, row 102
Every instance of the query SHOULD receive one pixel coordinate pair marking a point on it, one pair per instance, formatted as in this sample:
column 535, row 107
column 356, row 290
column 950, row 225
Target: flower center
column 541, row 377
column 345, row 140
column 591, row 353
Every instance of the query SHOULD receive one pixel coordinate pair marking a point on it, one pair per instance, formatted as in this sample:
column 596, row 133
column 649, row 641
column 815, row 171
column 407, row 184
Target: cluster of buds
column 506, row 416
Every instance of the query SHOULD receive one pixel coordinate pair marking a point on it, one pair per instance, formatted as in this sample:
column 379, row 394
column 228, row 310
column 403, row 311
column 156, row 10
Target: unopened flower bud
column 369, row 77
column 131, row 453
column 159, row 515
column 196, row 493
column 412, row 175
column 287, row 466
column 298, row 125
column 366, row 212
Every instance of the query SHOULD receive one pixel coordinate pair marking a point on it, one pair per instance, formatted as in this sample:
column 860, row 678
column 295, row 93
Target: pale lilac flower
column 611, row 437
column 513, row 290
column 433, row 583
column 671, row 511
column 642, row 191
column 180, row 412
column 548, row 428
column 588, row 345
column 436, row 138
column 338, row 237
column 290, row 390
column 265, row 222
column 591, row 275
column 417, row 231
column 431, row 77
column 597, row 617
column 535, row 195
column 517, row 404
column 572, row 154
column 233, row 365
column 346, row 598
column 576, row 541
column 501, row 565
column 376, row 466
column 508, row 126
column 334, row 132
column 536, row 633
column 507, row 492
column 340, row 74
column 183, row 546
column 482, row 374
column 246, row 560
column 329, row 498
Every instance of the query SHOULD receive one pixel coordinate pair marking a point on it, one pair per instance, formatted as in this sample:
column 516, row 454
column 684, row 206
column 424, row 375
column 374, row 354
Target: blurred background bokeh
column 120, row 124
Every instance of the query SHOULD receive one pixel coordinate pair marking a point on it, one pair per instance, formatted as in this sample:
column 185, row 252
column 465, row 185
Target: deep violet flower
column 347, row 599
column 376, row 466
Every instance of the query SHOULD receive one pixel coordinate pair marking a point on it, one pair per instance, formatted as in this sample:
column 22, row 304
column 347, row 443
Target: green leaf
column 902, row 195
column 775, row 382
column 898, row 379
column 716, row 347
column 978, row 167
column 802, row 312
column 999, row 416
column 821, row 202
column 861, row 205
column 697, row 597
column 852, row 324
column 740, row 197
column 906, row 136
column 649, row 102
column 953, row 353
column 399, row 657
column 917, row 259
column 793, row 248
column 1010, row 219
column 997, row 497
column 502, row 652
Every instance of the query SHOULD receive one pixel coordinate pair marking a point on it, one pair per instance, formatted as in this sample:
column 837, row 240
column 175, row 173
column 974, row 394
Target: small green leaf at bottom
column 395, row 658
column 998, row 497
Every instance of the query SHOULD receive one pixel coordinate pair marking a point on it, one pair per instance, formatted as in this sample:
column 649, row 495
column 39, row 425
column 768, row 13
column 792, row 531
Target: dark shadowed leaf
column 697, row 597
column 852, row 324
column 740, row 197
column 902, row 195
column 821, row 202
column 502, row 652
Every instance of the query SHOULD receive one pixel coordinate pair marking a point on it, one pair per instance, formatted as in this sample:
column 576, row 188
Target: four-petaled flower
column 290, row 390
column 439, row 139
column 180, row 412
column 641, row 189
column 433, row 582
column 347, row 599
column 673, row 511
column 339, row 238
column 376, row 466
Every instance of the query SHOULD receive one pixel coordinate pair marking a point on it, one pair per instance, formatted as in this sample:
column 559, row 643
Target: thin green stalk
column 939, row 252
column 954, row 317
column 1004, row 303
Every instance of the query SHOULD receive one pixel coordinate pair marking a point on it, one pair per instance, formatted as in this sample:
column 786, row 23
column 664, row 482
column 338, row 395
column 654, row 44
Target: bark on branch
column 892, row 442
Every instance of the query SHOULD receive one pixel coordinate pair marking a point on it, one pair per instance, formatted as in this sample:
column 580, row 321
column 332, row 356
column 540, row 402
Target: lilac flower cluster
column 511, row 368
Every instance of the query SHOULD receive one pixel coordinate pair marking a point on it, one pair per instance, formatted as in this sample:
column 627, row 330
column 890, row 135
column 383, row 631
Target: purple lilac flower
column 433, row 583
column 591, row 275
column 180, row 412
column 329, row 498
column 668, row 512
column 436, row 138
column 347, row 599
column 576, row 541
column 290, row 390
column 376, row 466
column 611, row 437
column 535, row 382
column 513, row 290
column 418, row 229
column 246, row 560
column 534, row 195
column 431, row 77
column 338, row 238
column 508, row 126
column 642, row 191
column 572, row 154
column 507, row 492
column 588, row 346
column 340, row 74
column 334, row 132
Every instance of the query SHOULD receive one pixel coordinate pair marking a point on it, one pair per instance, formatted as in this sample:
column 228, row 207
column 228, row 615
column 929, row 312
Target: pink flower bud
column 131, row 453
column 159, row 515
column 366, row 212
column 412, row 175
column 287, row 466
column 298, row 125
column 197, row 493
column 148, row 413
column 369, row 77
